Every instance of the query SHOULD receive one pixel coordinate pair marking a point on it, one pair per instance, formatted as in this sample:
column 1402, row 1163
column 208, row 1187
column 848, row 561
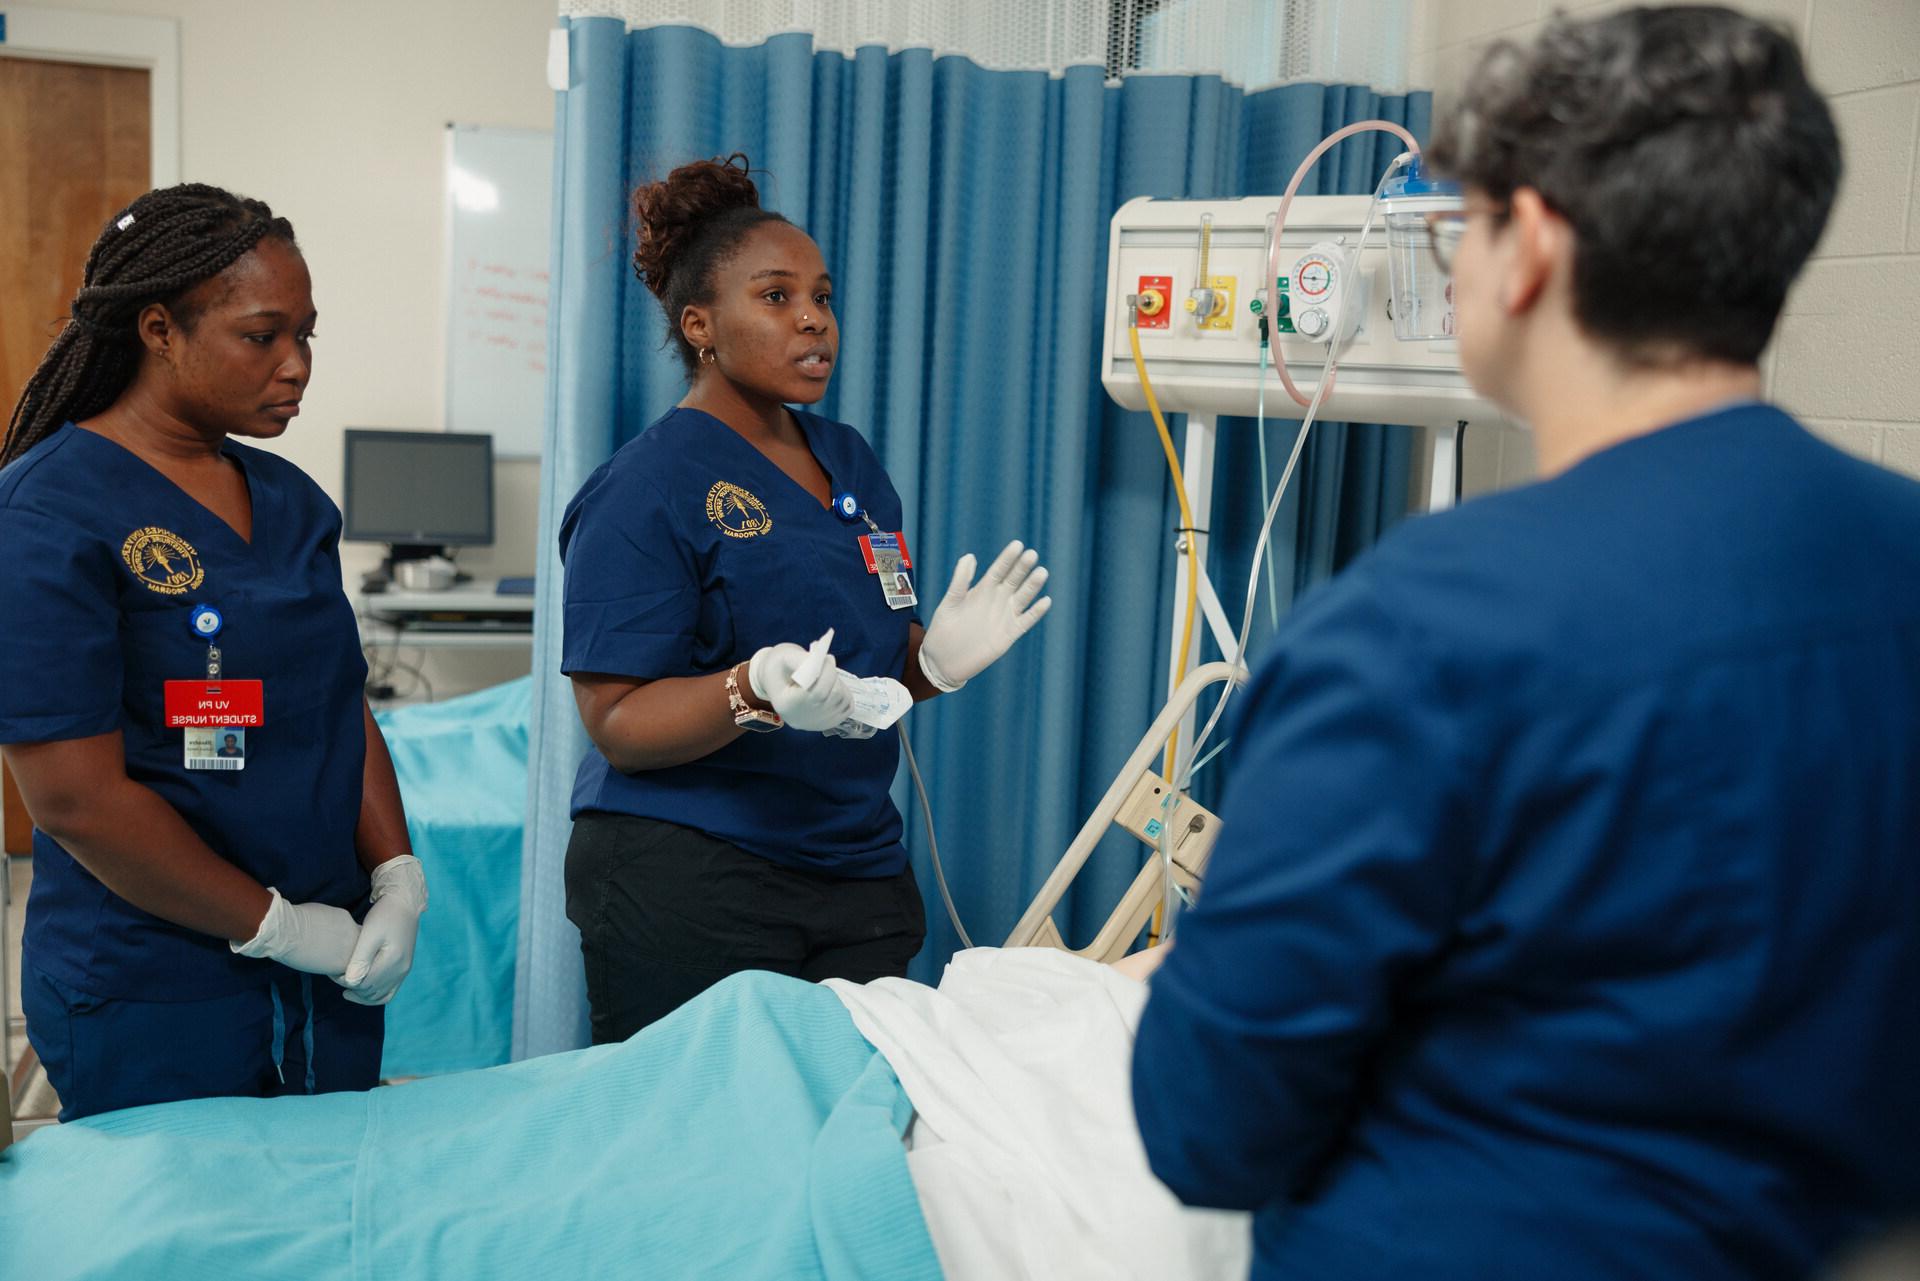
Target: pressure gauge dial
column 1314, row 277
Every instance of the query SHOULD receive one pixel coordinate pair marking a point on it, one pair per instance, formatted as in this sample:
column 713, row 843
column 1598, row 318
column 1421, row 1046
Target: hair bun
column 668, row 212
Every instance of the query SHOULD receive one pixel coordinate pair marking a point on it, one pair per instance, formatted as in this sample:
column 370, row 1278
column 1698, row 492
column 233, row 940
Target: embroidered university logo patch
column 737, row 513
column 162, row 560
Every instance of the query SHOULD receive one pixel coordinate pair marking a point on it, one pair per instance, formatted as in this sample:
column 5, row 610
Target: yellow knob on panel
column 1192, row 304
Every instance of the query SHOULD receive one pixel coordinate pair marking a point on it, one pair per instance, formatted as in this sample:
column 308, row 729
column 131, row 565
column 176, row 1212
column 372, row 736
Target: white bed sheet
column 1024, row 1151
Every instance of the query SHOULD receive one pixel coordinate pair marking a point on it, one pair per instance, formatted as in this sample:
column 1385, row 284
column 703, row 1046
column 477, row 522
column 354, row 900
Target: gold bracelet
column 745, row 715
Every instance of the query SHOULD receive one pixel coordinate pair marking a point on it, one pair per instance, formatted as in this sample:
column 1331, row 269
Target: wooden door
column 75, row 142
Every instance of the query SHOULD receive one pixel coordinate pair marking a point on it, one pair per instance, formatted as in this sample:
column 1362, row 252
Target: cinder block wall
column 1846, row 357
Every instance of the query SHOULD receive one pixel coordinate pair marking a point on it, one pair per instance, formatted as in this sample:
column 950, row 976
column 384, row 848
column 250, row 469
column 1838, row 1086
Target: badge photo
column 899, row 590
column 217, row 747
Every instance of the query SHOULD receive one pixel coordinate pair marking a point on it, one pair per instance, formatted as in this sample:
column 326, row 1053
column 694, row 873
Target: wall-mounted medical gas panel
column 1199, row 264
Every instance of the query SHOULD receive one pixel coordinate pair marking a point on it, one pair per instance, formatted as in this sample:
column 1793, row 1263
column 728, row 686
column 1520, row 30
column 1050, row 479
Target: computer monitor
column 420, row 492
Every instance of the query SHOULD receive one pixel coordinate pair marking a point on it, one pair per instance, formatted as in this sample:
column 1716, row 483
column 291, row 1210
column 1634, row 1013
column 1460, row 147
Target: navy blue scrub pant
column 293, row 1034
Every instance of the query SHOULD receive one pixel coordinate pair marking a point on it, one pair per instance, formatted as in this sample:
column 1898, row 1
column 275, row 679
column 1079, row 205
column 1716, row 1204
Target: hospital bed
column 771, row 1128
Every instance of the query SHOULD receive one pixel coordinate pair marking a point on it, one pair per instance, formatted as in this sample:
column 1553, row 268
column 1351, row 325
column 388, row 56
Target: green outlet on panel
column 1283, row 314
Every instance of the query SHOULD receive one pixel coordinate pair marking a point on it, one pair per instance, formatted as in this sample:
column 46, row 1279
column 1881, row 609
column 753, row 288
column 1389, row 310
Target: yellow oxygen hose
column 1186, row 519
column 1193, row 555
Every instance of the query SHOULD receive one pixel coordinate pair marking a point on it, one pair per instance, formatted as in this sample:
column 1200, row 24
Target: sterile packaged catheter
column 878, row 701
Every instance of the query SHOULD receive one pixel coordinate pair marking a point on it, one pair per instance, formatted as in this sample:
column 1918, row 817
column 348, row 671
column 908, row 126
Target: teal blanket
column 754, row 1133
column 462, row 767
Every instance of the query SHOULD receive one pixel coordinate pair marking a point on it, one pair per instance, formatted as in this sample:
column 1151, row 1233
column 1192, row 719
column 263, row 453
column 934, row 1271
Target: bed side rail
column 1135, row 785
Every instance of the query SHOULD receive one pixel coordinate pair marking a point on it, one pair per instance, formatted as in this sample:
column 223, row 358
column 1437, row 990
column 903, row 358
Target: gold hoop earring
column 707, row 357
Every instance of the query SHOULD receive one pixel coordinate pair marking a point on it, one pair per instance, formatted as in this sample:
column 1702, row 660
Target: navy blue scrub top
column 687, row 551
column 1565, row 921
column 101, row 557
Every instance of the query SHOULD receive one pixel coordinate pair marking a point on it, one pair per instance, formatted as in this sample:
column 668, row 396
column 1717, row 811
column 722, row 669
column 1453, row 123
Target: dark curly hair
column 156, row 250
column 686, row 226
column 1695, row 162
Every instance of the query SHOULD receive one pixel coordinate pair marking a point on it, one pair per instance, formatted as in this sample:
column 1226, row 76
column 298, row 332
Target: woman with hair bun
column 194, row 925
column 732, row 814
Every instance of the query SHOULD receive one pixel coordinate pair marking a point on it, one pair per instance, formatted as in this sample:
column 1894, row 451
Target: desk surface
column 477, row 597
column 471, row 616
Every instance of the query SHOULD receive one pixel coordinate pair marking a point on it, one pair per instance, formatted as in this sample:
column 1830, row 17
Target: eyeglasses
column 1447, row 227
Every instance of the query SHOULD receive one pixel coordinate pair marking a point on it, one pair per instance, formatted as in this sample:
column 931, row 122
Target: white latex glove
column 384, row 954
column 976, row 623
column 815, row 701
column 312, row 937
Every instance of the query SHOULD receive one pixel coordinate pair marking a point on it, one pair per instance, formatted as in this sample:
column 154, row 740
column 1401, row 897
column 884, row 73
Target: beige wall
column 334, row 112
column 1846, row 357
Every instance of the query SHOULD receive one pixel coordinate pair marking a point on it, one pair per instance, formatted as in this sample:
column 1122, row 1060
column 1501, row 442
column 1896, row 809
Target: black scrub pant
column 665, row 912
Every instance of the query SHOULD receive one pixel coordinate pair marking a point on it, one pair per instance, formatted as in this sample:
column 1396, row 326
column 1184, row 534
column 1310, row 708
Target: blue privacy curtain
column 963, row 214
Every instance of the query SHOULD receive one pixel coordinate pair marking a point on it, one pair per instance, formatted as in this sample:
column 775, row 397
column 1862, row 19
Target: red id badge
column 885, row 553
column 205, row 704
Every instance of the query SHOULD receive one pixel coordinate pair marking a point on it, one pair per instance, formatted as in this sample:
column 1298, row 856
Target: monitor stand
column 379, row 578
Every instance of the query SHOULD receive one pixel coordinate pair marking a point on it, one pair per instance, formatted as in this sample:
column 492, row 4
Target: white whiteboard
column 499, row 186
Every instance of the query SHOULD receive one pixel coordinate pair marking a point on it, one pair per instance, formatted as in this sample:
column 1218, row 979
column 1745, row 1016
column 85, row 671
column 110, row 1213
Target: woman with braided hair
column 721, row 569
column 171, row 585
